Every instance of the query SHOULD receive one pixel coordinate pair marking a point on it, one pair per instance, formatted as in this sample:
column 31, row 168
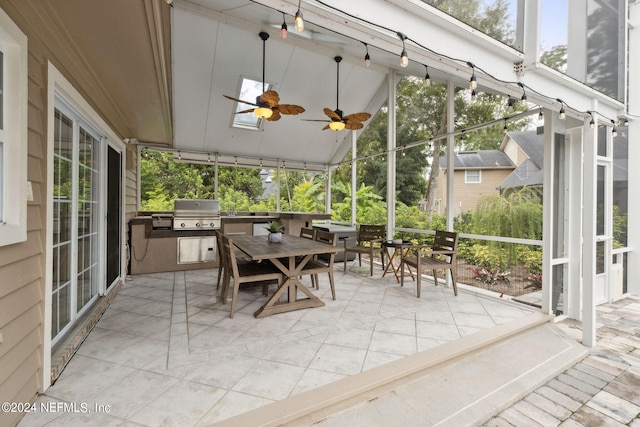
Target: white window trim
column 479, row 181
column 13, row 228
column 59, row 86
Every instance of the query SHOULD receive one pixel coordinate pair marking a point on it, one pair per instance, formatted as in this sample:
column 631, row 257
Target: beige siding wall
column 515, row 153
column 466, row 196
column 22, row 267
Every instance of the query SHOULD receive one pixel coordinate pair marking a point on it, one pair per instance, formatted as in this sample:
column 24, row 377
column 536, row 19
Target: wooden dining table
column 289, row 256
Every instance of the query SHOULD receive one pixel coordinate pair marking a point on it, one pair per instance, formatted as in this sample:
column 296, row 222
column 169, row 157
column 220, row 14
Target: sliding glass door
column 76, row 179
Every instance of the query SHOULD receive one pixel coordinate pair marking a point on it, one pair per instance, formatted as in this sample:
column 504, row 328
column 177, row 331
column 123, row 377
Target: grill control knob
column 197, row 225
column 211, row 225
column 182, row 224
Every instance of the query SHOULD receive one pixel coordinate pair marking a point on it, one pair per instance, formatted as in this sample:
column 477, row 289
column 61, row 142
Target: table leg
column 291, row 285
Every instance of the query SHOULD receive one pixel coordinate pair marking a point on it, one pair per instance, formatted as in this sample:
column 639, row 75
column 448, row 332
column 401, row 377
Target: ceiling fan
column 338, row 120
column 267, row 105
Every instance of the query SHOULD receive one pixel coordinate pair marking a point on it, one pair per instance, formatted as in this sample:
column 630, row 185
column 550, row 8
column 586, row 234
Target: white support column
column 531, row 34
column 215, row 179
column 327, row 192
column 278, row 188
column 633, row 231
column 391, row 159
column 547, row 211
column 354, row 176
column 589, row 218
column 450, row 154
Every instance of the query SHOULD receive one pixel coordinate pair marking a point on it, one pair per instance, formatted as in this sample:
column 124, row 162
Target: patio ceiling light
column 404, row 56
column 263, row 112
column 299, row 20
column 336, row 126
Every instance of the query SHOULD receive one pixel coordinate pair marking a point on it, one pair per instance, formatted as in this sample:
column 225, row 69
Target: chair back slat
column 446, row 241
column 326, row 237
column 307, row 233
column 368, row 232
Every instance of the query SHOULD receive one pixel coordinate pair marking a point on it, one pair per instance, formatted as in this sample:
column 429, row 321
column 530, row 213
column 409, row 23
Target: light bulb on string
column 474, row 95
column 473, row 82
column 427, row 78
column 523, row 98
column 540, row 115
column 562, row 114
column 505, row 129
column 367, row 58
column 404, row 56
column 299, row 20
column 283, row 28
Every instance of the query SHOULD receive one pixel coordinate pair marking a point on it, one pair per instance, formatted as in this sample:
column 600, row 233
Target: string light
column 592, row 122
column 236, row 160
column 474, row 95
column 299, row 20
column 179, row 155
column 473, row 82
column 523, row 98
column 427, row 78
column 540, row 115
column 404, row 56
column 504, row 129
column 260, row 162
column 510, row 104
column 562, row 114
column 208, row 158
column 283, row 28
column 614, row 131
column 367, row 58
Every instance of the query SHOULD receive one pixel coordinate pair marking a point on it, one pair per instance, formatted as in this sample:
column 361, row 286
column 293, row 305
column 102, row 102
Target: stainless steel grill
column 196, row 214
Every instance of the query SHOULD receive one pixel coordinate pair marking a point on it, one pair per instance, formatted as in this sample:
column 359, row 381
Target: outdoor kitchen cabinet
column 156, row 250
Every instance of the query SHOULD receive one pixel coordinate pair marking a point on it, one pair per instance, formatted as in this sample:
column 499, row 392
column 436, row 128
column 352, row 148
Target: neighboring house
column 518, row 163
column 476, row 174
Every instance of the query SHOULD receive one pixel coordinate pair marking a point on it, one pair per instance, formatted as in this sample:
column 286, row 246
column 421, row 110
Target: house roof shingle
column 481, row 159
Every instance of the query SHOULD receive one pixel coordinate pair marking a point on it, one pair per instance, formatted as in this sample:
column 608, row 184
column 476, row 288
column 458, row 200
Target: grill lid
column 190, row 207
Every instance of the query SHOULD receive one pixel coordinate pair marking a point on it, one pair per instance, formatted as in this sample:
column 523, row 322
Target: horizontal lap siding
column 22, row 265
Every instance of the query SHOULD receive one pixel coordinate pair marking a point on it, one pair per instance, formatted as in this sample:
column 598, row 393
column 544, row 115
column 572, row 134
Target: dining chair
column 221, row 264
column 245, row 272
column 368, row 241
column 439, row 256
column 307, row 233
column 316, row 265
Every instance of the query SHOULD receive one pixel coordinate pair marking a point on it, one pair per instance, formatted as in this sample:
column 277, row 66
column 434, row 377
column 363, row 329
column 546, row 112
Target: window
column 13, row 132
column 249, row 91
column 472, row 176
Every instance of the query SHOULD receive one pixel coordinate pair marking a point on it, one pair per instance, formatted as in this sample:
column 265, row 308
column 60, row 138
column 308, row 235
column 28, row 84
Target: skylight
column 249, row 91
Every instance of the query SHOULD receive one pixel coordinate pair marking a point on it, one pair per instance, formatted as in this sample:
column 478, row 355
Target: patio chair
column 440, row 256
column 221, row 264
column 316, row 265
column 307, row 233
column 244, row 272
column 368, row 241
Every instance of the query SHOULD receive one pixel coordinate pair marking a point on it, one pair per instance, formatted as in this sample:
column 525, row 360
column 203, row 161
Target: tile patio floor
column 165, row 353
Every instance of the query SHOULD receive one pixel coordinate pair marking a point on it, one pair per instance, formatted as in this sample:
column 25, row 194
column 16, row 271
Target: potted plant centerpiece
column 275, row 232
